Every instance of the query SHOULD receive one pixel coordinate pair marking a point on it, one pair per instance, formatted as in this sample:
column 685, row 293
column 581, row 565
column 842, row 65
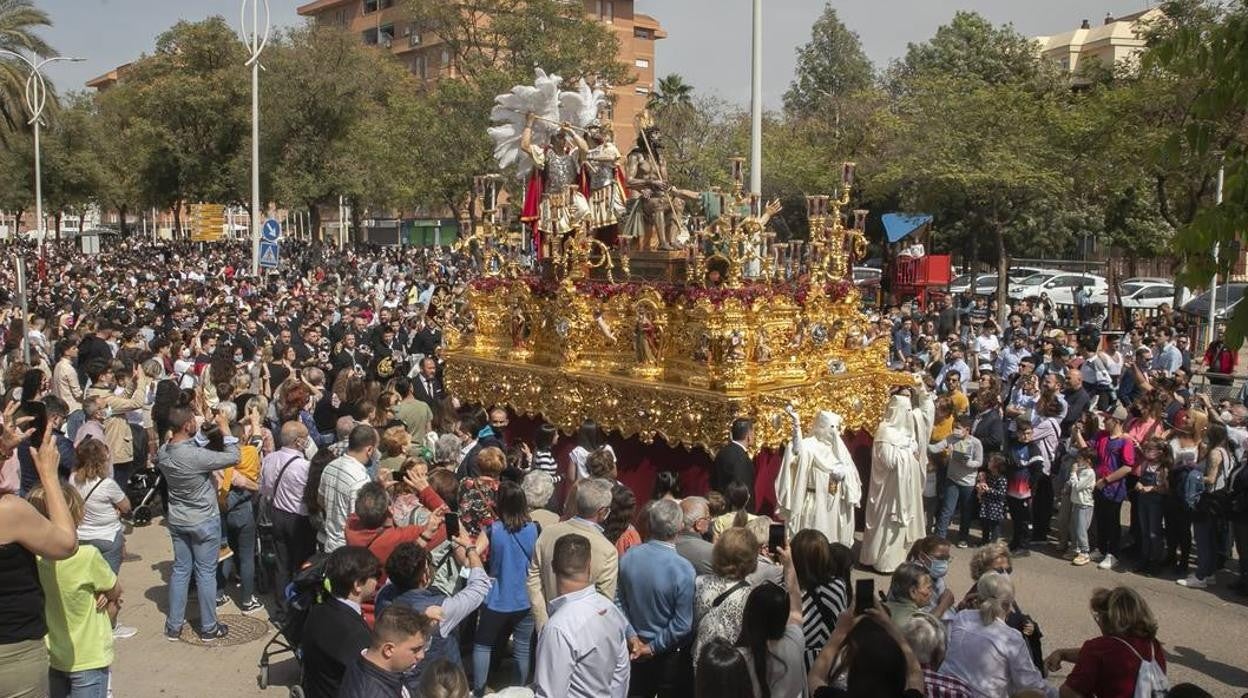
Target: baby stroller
column 301, row 594
column 146, row 491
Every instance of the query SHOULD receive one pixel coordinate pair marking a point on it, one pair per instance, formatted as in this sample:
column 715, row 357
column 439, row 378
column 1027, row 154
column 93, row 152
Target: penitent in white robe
column 894, row 512
column 808, row 467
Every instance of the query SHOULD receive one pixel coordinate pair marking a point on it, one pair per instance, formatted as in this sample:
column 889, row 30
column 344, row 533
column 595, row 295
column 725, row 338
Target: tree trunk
column 1003, row 279
column 177, row 219
column 57, row 219
column 314, row 223
column 973, row 263
column 122, row 214
column 357, row 230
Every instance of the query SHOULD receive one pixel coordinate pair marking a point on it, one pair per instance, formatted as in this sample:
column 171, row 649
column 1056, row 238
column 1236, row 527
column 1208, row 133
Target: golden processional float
column 734, row 325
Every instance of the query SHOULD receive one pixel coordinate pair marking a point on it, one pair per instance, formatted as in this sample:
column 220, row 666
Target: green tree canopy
column 973, row 49
column 331, row 122
column 672, row 92
column 1197, row 51
column 830, row 67
column 192, row 99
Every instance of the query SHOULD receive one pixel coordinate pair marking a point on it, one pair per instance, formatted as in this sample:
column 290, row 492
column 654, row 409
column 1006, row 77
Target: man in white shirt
column 582, row 652
column 341, row 481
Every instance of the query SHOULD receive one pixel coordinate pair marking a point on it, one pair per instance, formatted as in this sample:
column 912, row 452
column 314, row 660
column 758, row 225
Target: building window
column 370, row 6
column 447, row 66
column 369, row 36
column 606, row 11
column 413, row 36
column 420, row 66
column 387, row 35
column 641, row 63
column 639, row 33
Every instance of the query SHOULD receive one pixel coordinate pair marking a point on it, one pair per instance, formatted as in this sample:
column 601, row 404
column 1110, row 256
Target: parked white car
column 985, row 284
column 1137, row 294
column 864, row 275
column 1059, row 286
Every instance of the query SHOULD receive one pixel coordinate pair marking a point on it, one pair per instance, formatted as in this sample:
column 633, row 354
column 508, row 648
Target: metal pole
column 39, row 223
column 1213, row 284
column 36, row 96
column 256, row 41
column 19, row 265
column 756, row 105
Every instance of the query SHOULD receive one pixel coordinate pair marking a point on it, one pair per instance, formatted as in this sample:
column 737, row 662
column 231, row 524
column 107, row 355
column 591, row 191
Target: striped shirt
column 820, row 608
column 340, row 482
column 545, row 462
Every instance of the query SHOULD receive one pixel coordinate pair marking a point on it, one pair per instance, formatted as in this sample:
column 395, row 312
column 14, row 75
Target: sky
column 708, row 40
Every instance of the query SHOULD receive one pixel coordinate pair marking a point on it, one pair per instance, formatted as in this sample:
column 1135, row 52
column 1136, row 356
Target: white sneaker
column 1107, row 562
column 1193, row 582
column 124, row 632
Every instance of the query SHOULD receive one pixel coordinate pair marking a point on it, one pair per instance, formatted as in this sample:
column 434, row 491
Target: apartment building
column 384, row 23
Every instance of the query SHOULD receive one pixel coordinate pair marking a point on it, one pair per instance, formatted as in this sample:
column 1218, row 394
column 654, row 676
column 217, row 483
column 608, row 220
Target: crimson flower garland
column 671, row 293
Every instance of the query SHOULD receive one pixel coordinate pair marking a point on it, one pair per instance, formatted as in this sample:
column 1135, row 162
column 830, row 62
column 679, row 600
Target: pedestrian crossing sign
column 269, row 255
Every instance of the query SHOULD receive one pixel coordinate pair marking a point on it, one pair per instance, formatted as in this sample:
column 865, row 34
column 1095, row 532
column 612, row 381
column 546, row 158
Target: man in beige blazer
column 593, row 501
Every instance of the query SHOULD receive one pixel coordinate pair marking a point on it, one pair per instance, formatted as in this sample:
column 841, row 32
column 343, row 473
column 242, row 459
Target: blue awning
column 899, row 225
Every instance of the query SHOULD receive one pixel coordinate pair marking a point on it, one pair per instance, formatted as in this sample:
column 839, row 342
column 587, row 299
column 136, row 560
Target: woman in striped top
column 544, row 451
column 823, row 575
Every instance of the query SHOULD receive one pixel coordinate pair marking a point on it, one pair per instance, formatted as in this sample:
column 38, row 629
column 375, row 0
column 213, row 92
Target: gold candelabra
column 832, row 245
column 735, row 241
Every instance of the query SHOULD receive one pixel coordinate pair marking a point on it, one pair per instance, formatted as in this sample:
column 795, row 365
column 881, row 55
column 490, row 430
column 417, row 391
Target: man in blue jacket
column 656, row 594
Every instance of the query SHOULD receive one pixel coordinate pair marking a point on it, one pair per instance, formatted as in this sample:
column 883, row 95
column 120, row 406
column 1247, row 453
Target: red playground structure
column 922, row 278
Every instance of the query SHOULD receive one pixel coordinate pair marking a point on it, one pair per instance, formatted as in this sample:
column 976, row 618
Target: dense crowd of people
column 425, row 547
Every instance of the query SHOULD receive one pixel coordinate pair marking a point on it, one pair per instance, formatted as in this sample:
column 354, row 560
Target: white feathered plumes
column 543, row 99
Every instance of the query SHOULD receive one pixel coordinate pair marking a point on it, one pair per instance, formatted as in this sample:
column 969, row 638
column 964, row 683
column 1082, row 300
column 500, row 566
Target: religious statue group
column 818, row 486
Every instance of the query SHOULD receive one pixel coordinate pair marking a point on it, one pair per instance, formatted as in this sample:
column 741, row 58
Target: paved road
column 1205, row 632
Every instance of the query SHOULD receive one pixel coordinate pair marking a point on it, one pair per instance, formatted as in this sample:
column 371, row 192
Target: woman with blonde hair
column 985, row 652
column 1109, row 666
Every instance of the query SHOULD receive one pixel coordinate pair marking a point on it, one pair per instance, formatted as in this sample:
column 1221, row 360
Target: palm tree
column 672, row 91
column 18, row 21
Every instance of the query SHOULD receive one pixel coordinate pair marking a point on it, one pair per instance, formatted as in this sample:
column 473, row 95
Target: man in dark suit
column 335, row 633
column 428, row 385
column 733, row 462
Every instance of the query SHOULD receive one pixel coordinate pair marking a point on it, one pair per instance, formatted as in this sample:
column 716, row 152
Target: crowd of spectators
column 460, row 555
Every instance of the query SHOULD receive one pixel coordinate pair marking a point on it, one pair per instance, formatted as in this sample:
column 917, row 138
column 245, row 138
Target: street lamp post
column 756, row 104
column 255, row 40
column 36, row 97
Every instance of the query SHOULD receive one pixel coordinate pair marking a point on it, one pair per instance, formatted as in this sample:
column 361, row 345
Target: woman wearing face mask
column 933, row 553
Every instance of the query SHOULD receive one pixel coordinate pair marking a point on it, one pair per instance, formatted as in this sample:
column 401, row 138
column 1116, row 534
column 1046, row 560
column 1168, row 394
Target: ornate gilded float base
column 679, row 414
